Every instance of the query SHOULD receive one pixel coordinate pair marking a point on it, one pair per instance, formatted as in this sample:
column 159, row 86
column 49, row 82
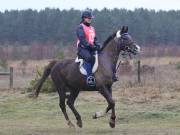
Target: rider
column 87, row 44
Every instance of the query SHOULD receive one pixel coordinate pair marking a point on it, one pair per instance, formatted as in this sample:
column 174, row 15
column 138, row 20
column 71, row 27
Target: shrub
column 178, row 65
column 60, row 55
column 3, row 63
column 47, row 85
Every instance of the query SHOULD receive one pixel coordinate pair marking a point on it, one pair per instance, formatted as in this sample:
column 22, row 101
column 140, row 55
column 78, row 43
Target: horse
column 66, row 76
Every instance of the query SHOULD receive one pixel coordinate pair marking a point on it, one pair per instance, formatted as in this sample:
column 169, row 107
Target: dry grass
column 160, row 60
column 30, row 63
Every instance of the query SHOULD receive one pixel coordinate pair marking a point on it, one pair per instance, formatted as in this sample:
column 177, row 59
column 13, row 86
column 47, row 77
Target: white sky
column 82, row 4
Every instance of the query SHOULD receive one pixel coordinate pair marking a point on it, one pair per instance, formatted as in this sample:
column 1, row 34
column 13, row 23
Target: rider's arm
column 81, row 36
column 96, row 42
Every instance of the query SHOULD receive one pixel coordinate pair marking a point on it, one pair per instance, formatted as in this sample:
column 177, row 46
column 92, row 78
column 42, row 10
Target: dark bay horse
column 67, row 77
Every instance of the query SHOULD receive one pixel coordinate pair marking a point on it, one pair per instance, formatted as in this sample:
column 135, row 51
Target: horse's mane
column 108, row 40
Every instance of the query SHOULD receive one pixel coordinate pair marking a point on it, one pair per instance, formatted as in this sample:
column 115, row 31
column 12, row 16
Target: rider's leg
column 88, row 67
column 114, row 77
column 89, row 59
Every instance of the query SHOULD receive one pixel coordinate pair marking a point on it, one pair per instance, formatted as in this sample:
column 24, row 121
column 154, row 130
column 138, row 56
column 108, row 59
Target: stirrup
column 91, row 81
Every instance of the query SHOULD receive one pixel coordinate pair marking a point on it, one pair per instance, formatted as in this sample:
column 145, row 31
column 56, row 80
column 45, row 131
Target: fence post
column 11, row 78
column 139, row 71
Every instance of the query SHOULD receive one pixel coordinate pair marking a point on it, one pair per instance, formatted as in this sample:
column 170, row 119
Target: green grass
column 20, row 115
column 178, row 65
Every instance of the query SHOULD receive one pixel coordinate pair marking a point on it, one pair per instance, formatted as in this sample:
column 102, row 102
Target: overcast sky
column 82, row 4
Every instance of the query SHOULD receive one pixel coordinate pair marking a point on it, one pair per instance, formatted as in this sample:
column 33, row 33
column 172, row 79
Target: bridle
column 127, row 49
column 119, row 43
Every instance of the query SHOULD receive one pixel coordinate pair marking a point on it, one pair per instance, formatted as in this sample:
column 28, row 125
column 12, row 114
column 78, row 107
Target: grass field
column 149, row 108
column 23, row 116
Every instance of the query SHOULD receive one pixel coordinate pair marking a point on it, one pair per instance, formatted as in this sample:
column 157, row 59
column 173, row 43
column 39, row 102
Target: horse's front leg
column 107, row 95
column 105, row 112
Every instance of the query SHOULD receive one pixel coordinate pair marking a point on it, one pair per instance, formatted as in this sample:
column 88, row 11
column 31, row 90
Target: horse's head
column 125, row 41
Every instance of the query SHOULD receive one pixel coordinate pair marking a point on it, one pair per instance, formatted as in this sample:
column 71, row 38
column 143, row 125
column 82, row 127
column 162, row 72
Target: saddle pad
column 81, row 68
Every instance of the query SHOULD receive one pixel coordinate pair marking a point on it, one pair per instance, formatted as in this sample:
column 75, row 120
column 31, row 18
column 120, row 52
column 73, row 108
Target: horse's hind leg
column 71, row 99
column 62, row 98
column 63, row 108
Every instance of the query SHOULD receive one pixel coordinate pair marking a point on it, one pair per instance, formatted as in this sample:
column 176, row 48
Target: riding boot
column 90, row 80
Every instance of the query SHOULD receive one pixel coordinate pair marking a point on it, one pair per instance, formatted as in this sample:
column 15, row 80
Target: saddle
column 81, row 61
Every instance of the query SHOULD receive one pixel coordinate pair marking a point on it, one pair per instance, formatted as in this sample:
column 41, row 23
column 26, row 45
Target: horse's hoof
column 112, row 123
column 70, row 124
column 98, row 114
column 31, row 95
column 79, row 123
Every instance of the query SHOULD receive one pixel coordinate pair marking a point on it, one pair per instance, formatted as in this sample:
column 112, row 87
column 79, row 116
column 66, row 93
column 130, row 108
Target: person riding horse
column 87, row 44
column 67, row 78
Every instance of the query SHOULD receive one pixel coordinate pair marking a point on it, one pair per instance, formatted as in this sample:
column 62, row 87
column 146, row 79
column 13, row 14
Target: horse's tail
column 40, row 82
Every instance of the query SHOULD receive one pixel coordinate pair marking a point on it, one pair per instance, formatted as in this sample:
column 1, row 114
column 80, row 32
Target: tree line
column 55, row 26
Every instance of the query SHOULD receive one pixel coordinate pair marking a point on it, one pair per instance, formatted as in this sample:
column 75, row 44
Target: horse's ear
column 124, row 29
